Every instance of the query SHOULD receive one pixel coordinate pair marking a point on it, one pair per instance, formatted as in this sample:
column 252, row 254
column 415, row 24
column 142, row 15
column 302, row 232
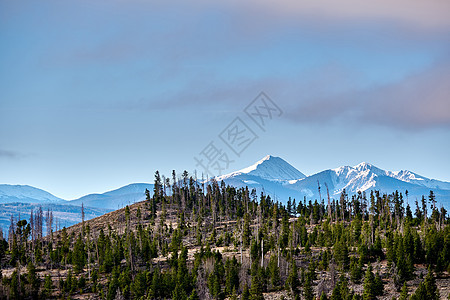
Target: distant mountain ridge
column 18, row 200
column 25, row 194
column 64, row 215
column 362, row 177
column 117, row 198
column 271, row 175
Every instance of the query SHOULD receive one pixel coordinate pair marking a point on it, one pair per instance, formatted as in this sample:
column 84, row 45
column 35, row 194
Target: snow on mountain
column 271, row 179
column 269, row 168
column 366, row 177
column 25, row 194
column 408, row 176
column 270, row 175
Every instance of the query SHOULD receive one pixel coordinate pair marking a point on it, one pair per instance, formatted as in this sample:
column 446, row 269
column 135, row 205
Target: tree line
column 194, row 239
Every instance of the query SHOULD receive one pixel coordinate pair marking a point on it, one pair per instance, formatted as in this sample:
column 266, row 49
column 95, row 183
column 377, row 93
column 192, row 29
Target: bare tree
column 38, row 222
column 11, row 231
column 49, row 221
column 318, row 187
column 33, row 232
column 82, row 217
column 329, row 203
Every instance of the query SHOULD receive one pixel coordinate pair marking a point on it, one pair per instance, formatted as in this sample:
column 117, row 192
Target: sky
column 95, row 95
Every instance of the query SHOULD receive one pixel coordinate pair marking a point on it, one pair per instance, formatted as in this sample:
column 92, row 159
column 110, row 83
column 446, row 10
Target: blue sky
column 98, row 94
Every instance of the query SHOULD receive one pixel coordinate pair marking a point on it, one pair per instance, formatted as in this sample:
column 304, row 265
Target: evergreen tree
column 194, row 295
column 48, row 287
column 341, row 253
column 378, row 286
column 356, row 269
column 139, row 285
column 292, row 282
column 404, row 293
column 245, row 293
column 426, row 289
column 232, row 275
column 256, row 289
column 369, row 285
column 33, row 280
column 79, row 255
column 308, row 293
column 274, row 272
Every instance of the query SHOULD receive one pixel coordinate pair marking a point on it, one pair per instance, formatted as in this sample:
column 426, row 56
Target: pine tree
column 139, row 285
column 48, row 286
column 79, row 255
column 356, row 269
column 341, row 253
column 246, row 231
column 378, row 287
column 308, row 292
column 369, row 287
column 245, row 293
column 232, row 275
column 404, row 293
column 274, row 272
column 256, row 289
column 341, row 290
column 292, row 282
column 33, row 280
column 194, row 295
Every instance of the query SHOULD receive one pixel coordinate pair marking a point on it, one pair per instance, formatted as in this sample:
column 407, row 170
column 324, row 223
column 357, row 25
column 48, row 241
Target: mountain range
column 19, row 200
column 362, row 177
column 271, row 175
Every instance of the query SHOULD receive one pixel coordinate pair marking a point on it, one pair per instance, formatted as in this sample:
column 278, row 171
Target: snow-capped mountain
column 271, row 175
column 365, row 176
column 269, row 168
column 362, row 177
column 414, row 178
column 25, row 194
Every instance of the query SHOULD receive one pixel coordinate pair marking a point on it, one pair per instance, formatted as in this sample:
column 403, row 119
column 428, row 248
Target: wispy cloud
column 418, row 101
column 422, row 15
column 431, row 14
column 330, row 93
column 10, row 154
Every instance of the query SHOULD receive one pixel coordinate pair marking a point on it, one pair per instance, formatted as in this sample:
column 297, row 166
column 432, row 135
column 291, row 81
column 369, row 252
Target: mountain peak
column 363, row 165
column 271, row 168
column 268, row 156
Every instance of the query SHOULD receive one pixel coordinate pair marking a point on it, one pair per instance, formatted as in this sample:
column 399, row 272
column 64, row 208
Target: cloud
column 327, row 94
column 421, row 100
column 175, row 31
column 422, row 15
column 430, row 14
column 418, row 101
column 10, row 154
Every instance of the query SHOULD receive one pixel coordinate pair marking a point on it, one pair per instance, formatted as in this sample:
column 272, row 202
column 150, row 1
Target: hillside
column 221, row 244
column 270, row 175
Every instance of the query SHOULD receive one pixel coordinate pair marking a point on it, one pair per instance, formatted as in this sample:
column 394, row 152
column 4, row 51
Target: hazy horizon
column 94, row 96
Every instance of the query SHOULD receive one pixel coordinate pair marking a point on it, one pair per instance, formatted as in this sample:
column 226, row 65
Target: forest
column 207, row 240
